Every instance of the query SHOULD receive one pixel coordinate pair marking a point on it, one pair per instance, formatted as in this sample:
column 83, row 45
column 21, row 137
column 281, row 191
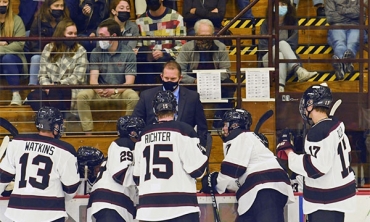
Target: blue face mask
column 283, row 10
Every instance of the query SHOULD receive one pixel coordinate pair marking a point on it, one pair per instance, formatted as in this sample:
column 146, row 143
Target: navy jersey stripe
column 232, row 170
column 116, row 198
column 6, row 177
column 72, row 188
column 327, row 196
column 36, row 202
column 311, row 170
column 168, row 200
column 120, row 176
column 199, row 172
column 261, row 177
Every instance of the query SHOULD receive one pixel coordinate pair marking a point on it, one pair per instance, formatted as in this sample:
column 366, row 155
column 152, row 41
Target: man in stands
column 207, row 54
column 111, row 63
column 158, row 20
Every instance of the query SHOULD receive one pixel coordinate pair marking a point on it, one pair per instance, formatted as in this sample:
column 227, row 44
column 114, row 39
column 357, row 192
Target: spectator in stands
column 111, row 63
column 27, row 10
column 120, row 12
column 141, row 6
column 287, row 45
column 194, row 10
column 207, row 54
column 346, row 41
column 157, row 21
column 12, row 60
column 319, row 4
column 51, row 12
column 62, row 63
column 190, row 109
column 241, row 5
column 89, row 14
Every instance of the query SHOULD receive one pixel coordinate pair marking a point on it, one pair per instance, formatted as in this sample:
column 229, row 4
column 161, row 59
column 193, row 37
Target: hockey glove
column 285, row 142
column 209, row 183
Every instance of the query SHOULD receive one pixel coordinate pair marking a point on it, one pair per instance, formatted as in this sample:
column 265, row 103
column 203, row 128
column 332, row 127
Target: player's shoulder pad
column 322, row 130
column 125, row 142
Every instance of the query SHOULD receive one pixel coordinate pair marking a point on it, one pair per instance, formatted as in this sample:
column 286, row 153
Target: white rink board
column 76, row 209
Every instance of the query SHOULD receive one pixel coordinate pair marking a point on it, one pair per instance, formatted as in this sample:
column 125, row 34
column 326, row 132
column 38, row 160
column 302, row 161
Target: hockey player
column 168, row 158
column 89, row 160
column 45, row 170
column 262, row 187
column 114, row 195
column 329, row 186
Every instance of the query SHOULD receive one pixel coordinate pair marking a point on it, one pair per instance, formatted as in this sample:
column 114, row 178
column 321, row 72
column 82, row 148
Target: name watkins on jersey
column 157, row 136
column 39, row 147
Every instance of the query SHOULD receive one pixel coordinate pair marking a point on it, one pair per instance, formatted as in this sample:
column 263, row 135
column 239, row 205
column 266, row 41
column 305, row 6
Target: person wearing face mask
column 288, row 43
column 62, row 63
column 190, row 109
column 111, row 63
column 120, row 12
column 207, row 54
column 51, row 12
column 158, row 20
column 13, row 63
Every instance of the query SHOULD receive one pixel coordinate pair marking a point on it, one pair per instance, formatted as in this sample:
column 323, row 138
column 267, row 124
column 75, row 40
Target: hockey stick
column 263, row 119
column 8, row 126
column 335, row 107
column 4, row 145
column 213, row 197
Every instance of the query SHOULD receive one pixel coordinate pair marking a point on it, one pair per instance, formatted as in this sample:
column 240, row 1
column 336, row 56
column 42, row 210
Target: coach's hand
column 209, row 182
column 285, row 144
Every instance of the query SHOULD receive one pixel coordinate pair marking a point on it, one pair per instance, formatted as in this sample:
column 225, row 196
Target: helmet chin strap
column 309, row 119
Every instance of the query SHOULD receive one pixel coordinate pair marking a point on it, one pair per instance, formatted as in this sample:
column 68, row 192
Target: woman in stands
column 12, row 60
column 120, row 12
column 51, row 12
column 62, row 63
column 288, row 43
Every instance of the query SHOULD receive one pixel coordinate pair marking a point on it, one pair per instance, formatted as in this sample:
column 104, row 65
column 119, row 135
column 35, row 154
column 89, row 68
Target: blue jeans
column 241, row 5
column 343, row 39
column 11, row 66
column 34, row 70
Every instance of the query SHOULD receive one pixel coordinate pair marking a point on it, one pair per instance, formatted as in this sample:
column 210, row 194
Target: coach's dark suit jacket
column 190, row 110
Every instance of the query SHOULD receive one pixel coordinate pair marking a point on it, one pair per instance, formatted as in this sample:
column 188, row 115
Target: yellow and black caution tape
column 301, row 50
column 328, row 77
column 248, row 23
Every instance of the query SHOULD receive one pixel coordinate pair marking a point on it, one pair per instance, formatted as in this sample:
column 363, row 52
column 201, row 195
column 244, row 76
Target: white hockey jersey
column 249, row 167
column 329, row 180
column 114, row 187
column 46, row 175
column 167, row 161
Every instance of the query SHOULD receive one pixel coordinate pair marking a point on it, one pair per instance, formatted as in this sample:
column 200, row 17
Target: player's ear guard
column 285, row 142
column 209, row 182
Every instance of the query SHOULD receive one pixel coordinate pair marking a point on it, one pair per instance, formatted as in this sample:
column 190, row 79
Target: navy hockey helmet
column 50, row 119
column 164, row 101
column 130, row 126
column 315, row 96
column 90, row 157
column 237, row 118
